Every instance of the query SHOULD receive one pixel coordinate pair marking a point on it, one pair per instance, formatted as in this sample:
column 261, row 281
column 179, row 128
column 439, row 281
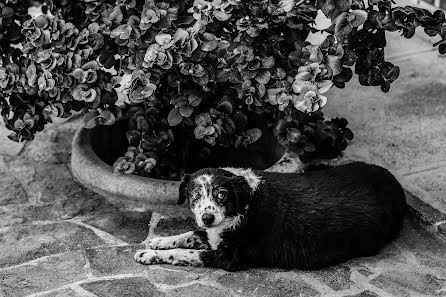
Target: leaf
column 209, row 46
column 91, row 119
column 282, row 140
column 163, row 39
column 254, row 134
column 142, row 124
column 342, row 26
column 334, row 62
column 280, row 73
column 309, row 147
column 131, row 168
column 19, row 124
column 263, row 77
column 261, row 90
column 134, row 112
column 225, row 107
column 268, row 62
column 186, row 110
column 222, row 76
column 14, row 136
column 357, row 17
column 393, row 73
column 279, row 127
column 203, row 119
column 174, row 117
column 200, row 132
column 238, row 142
column 202, row 81
column 179, row 101
column 194, row 100
column 221, row 16
column 343, row 5
column 293, row 135
column 133, row 137
column 31, row 74
column 324, row 86
column 107, row 118
column 122, row 31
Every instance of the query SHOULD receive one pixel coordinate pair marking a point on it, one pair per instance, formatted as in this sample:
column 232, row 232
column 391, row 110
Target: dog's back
column 322, row 217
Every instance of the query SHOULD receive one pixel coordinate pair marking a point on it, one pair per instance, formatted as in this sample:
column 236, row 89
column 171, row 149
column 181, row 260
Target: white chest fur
column 214, row 237
column 214, row 234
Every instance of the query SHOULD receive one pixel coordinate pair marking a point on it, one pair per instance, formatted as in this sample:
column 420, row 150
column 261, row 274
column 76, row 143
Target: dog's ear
column 242, row 194
column 183, row 193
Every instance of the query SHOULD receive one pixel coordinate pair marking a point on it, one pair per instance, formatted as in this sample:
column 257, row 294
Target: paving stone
column 173, row 226
column 80, row 204
column 123, row 287
column 442, row 229
column 54, row 184
column 55, row 180
column 433, row 183
column 365, row 272
column 407, row 283
column 366, row 293
column 3, row 164
column 425, row 247
column 105, row 261
column 11, row 191
column 267, row 283
column 132, row 226
column 197, row 290
column 63, row 293
column 9, row 218
column 52, row 272
column 24, row 243
column 337, row 277
column 53, row 145
column 29, row 213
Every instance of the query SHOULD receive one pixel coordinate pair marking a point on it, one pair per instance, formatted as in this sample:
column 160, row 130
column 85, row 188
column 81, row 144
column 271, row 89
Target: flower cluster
column 201, row 72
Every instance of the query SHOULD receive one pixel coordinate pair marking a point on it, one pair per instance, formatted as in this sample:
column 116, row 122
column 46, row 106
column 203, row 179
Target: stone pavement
column 60, row 239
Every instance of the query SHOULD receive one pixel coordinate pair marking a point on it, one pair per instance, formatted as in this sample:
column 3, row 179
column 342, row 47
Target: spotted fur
column 181, row 257
column 204, row 201
column 188, row 240
column 251, row 178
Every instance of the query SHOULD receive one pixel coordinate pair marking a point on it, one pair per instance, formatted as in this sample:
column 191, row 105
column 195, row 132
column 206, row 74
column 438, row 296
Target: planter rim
column 98, row 176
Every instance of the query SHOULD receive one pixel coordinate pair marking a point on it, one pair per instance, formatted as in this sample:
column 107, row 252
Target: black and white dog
column 289, row 220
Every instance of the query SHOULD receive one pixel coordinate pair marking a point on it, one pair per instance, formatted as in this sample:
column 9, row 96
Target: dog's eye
column 222, row 195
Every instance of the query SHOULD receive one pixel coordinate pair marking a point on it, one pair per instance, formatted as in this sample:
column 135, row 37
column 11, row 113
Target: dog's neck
column 251, row 178
column 215, row 233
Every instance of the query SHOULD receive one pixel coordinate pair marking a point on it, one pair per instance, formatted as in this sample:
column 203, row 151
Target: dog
column 305, row 220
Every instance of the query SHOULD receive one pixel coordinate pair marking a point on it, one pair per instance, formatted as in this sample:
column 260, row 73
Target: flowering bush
column 198, row 68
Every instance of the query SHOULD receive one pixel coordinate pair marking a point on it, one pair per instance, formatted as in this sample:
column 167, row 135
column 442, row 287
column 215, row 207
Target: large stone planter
column 94, row 150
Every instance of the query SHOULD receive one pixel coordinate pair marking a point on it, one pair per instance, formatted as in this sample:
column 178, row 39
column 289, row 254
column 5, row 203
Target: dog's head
column 216, row 196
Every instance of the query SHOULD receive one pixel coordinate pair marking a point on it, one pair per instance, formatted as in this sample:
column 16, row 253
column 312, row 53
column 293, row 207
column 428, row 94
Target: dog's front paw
column 161, row 243
column 147, row 257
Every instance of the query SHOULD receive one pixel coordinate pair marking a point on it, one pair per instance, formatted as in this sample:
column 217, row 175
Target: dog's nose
column 208, row 219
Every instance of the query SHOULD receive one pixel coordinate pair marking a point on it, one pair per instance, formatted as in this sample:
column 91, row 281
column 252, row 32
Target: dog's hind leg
column 189, row 240
column 182, row 257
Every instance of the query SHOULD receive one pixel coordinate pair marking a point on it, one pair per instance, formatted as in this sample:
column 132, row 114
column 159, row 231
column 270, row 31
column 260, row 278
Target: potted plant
column 210, row 82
